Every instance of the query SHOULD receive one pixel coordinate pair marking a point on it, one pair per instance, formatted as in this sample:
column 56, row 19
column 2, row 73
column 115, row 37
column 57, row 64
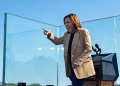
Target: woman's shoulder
column 66, row 33
column 83, row 30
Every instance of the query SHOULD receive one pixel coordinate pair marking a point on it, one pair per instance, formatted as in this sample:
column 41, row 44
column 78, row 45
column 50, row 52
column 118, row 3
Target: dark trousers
column 76, row 82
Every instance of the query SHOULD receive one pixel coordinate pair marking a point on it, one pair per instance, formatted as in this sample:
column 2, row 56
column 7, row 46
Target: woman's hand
column 74, row 65
column 47, row 32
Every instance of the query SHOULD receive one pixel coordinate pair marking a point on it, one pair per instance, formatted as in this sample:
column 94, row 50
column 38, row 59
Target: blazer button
column 66, row 54
column 72, row 55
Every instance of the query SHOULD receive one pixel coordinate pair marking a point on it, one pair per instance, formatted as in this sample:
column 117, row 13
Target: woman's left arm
column 88, row 48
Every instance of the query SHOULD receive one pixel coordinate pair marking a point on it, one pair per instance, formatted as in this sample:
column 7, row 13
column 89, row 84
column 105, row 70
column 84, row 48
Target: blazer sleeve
column 88, row 48
column 55, row 40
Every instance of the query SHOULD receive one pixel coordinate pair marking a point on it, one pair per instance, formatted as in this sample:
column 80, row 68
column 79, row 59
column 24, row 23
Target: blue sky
column 53, row 12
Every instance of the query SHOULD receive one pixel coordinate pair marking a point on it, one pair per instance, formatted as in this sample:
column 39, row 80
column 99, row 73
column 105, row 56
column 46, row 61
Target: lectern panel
column 105, row 67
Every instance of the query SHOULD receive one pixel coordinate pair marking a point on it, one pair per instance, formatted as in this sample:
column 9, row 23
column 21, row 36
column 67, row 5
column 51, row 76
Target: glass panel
column 101, row 33
column 63, row 80
column 30, row 56
column 118, row 45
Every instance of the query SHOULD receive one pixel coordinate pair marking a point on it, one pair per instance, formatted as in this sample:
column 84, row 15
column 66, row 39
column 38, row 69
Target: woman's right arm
column 51, row 37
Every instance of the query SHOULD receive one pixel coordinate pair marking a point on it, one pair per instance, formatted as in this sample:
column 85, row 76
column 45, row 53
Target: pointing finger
column 44, row 29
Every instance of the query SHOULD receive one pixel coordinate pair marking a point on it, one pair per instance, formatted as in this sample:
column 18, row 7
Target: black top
column 69, row 49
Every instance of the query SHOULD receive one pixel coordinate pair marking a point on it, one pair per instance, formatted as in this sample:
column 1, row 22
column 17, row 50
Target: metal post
column 4, row 48
column 115, row 41
column 115, row 33
column 57, row 54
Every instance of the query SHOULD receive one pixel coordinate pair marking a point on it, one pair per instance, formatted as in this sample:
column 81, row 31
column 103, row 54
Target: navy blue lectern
column 106, row 67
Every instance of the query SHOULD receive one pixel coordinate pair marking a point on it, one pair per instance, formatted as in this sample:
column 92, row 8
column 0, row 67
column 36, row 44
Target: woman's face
column 69, row 25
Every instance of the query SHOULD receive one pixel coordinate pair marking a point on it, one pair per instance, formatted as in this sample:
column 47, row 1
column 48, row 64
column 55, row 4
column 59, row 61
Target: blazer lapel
column 74, row 42
column 67, row 38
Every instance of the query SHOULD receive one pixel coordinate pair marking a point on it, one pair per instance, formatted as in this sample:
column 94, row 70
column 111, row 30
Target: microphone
column 97, row 46
column 96, row 50
column 93, row 49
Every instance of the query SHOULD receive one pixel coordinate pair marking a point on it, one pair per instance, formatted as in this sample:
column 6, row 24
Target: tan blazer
column 80, row 53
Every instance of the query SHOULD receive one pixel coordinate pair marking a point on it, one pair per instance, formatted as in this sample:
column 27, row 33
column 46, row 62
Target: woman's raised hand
column 47, row 32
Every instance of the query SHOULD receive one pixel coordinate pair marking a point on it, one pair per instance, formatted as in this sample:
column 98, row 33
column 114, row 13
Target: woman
column 77, row 50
